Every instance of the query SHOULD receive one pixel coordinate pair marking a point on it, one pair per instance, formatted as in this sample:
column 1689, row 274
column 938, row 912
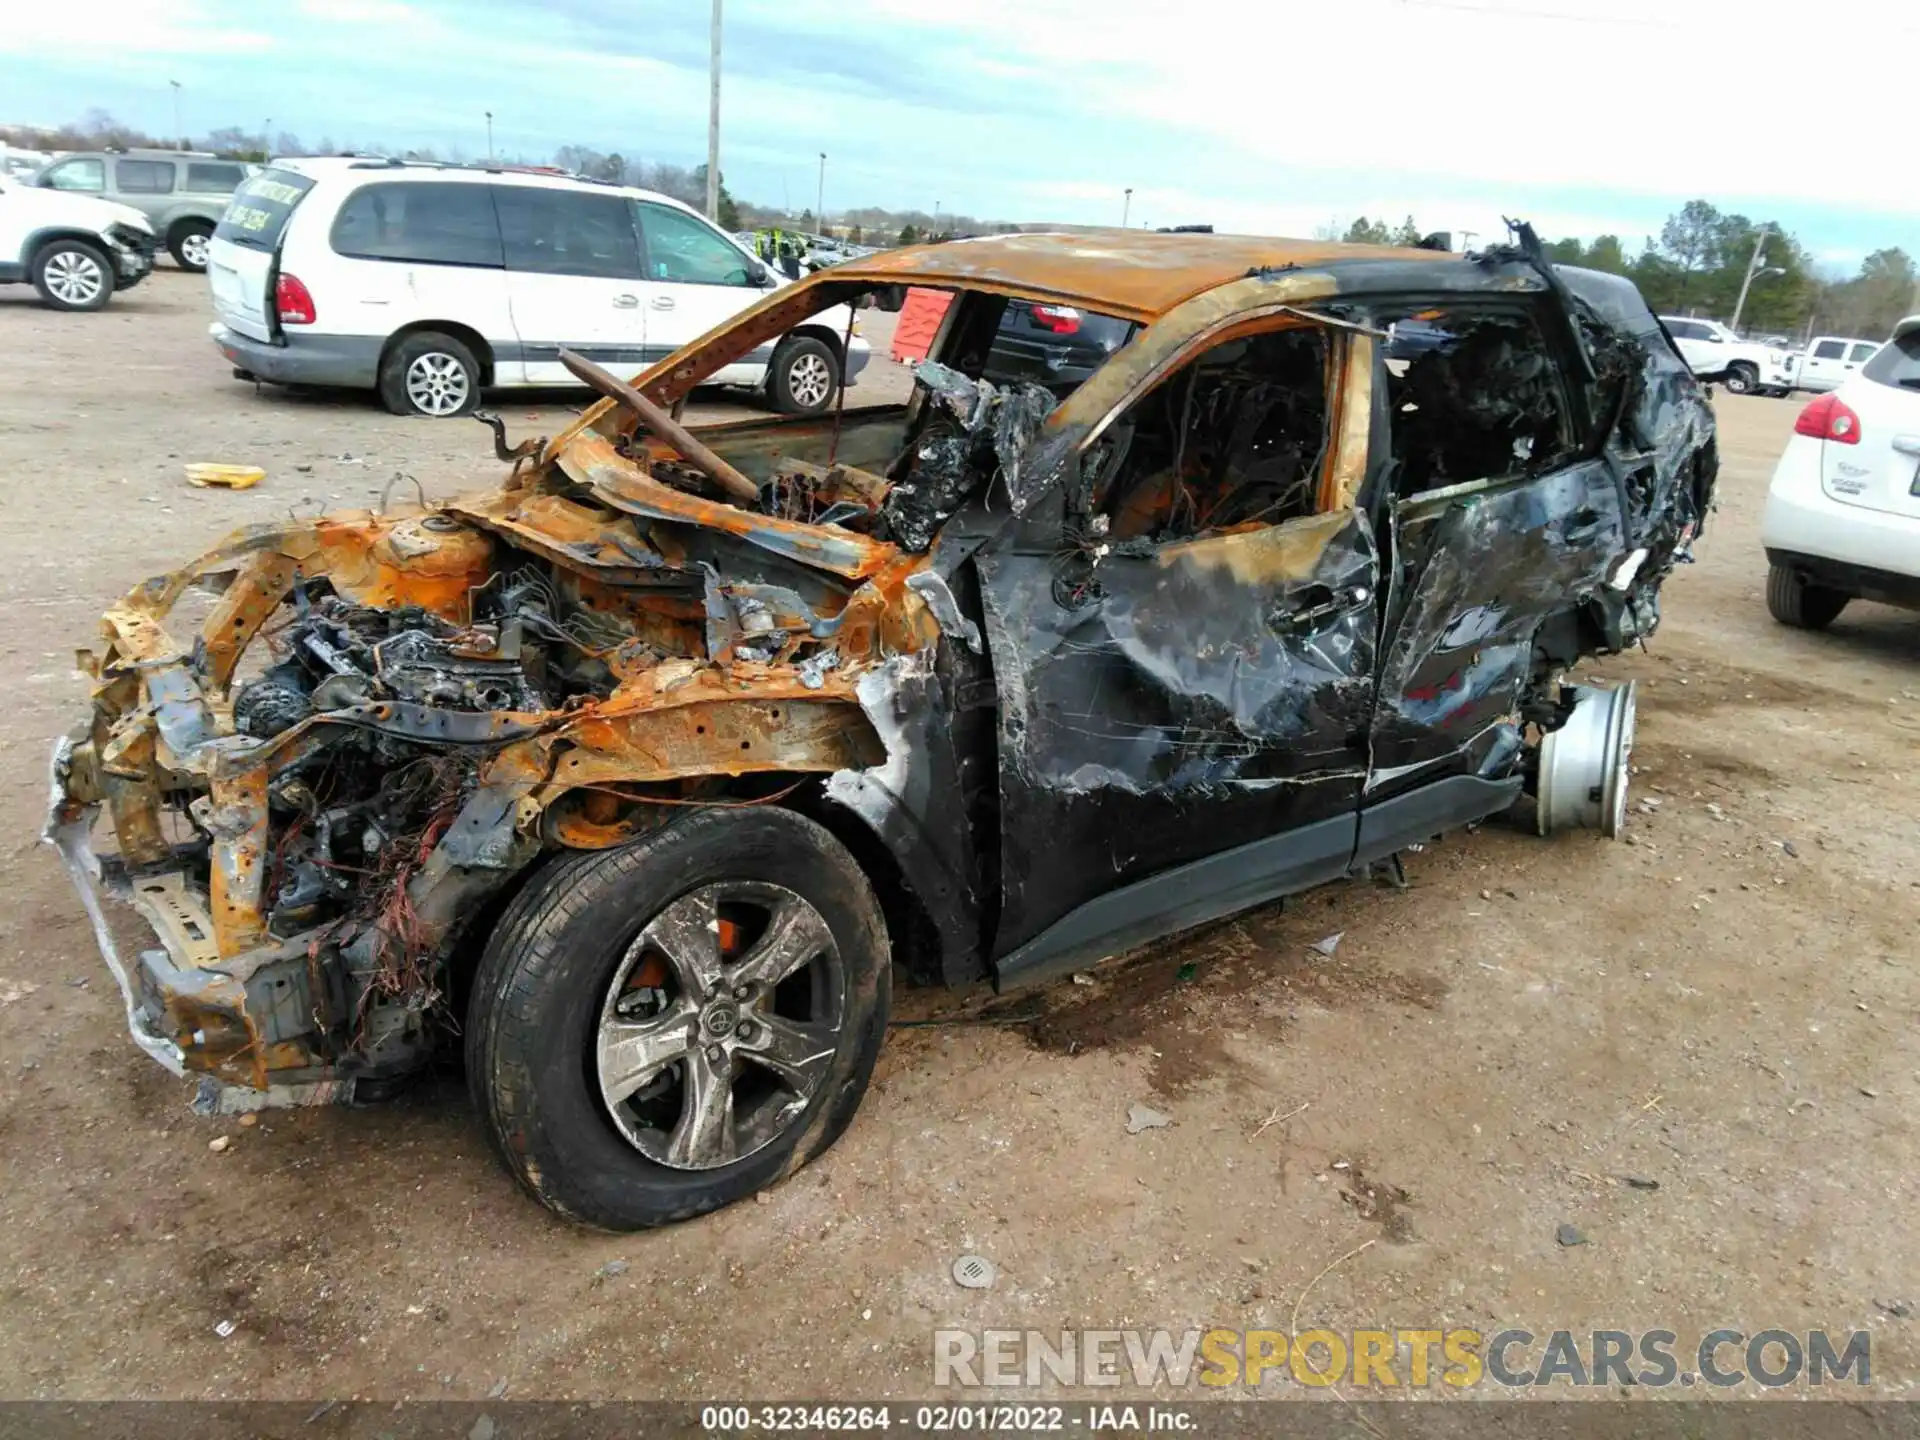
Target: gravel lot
column 1491, row 1049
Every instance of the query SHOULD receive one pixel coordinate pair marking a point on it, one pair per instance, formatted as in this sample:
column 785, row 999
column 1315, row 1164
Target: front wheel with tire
column 188, row 245
column 803, row 375
column 1741, row 379
column 430, row 374
column 73, row 275
column 664, row 1028
column 1793, row 599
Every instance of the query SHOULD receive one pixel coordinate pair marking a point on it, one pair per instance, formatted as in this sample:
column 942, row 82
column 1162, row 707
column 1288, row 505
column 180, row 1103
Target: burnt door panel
column 1214, row 692
column 1477, row 569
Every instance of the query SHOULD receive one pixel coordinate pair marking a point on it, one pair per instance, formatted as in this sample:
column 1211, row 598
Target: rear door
column 416, row 252
column 1881, row 469
column 243, row 257
column 213, row 177
column 696, row 277
column 145, row 184
column 1495, row 523
column 1825, row 366
column 574, row 278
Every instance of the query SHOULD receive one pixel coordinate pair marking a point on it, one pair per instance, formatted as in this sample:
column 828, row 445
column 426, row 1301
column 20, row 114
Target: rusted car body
column 1247, row 610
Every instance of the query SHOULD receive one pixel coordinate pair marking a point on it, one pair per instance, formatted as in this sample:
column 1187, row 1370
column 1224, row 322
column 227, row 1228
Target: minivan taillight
column 1829, row 418
column 294, row 301
column 1060, row 319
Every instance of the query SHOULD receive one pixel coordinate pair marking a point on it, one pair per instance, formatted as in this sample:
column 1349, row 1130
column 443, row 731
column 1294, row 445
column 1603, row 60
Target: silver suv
column 183, row 192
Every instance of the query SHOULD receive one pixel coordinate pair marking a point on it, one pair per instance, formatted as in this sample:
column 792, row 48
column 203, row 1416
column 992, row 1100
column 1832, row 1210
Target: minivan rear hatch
column 243, row 258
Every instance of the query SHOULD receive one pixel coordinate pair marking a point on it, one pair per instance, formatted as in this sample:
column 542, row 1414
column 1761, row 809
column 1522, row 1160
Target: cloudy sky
column 1586, row 116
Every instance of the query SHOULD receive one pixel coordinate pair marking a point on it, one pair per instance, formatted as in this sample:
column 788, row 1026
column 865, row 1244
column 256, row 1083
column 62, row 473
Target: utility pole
column 820, row 197
column 489, row 115
column 936, row 219
column 1126, row 207
column 713, row 121
column 1746, row 282
column 177, row 130
column 266, row 138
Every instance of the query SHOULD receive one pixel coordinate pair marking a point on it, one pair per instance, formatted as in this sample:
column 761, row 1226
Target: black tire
column 440, row 354
column 188, row 245
column 1741, row 379
column 1794, row 600
column 804, row 375
column 61, row 269
column 549, row 969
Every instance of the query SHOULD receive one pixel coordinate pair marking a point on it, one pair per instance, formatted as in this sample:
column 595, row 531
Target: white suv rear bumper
column 1803, row 526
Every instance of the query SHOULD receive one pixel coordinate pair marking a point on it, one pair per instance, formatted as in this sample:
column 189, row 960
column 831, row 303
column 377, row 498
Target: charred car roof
column 1132, row 274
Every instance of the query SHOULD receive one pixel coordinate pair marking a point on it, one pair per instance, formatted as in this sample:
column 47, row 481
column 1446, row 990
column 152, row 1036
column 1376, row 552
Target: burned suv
column 642, row 770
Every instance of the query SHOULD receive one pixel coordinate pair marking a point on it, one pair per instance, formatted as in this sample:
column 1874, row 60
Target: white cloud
column 1658, row 97
column 124, row 28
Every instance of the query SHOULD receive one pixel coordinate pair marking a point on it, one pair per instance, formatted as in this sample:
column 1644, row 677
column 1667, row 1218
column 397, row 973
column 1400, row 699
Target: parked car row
column 426, row 283
column 1766, row 366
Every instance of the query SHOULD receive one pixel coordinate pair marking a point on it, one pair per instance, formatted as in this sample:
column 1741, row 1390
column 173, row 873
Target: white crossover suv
column 1843, row 512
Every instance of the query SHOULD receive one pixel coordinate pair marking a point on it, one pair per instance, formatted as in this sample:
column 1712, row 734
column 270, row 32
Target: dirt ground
column 1725, row 1005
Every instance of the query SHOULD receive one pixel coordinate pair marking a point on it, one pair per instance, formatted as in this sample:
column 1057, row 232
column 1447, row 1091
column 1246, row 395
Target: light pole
column 936, row 219
column 176, row 114
column 713, row 120
column 1126, row 207
column 489, row 115
column 1754, row 271
column 266, row 138
column 820, row 197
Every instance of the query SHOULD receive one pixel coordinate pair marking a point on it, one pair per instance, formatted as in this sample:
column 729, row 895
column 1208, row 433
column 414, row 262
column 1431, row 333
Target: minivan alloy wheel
column 809, row 380
column 437, row 383
column 721, row 1023
column 75, row 277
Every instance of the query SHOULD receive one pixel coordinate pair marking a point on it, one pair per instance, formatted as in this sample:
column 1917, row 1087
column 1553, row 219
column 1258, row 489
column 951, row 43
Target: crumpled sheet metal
column 592, row 460
column 1160, row 683
column 1493, row 564
column 1156, row 697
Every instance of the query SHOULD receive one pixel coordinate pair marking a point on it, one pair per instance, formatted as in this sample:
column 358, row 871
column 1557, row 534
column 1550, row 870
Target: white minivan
column 430, row 283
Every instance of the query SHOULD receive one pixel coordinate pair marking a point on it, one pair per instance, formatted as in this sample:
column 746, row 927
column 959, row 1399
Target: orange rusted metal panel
column 1135, row 274
column 919, row 323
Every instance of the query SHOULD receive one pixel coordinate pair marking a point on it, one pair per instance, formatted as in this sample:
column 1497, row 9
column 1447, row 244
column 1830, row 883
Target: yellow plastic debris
column 229, row 477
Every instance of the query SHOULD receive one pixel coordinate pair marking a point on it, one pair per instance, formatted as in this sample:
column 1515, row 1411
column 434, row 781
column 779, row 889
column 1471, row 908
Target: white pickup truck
column 1745, row 367
column 1831, row 360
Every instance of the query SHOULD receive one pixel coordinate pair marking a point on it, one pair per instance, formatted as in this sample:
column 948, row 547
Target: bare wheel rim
column 437, row 383
column 809, row 380
column 720, row 1025
column 75, row 277
column 193, row 249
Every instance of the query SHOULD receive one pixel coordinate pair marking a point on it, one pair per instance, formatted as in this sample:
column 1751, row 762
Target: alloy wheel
column 720, row 1025
column 75, row 277
column 193, row 250
column 809, row 380
column 437, row 384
